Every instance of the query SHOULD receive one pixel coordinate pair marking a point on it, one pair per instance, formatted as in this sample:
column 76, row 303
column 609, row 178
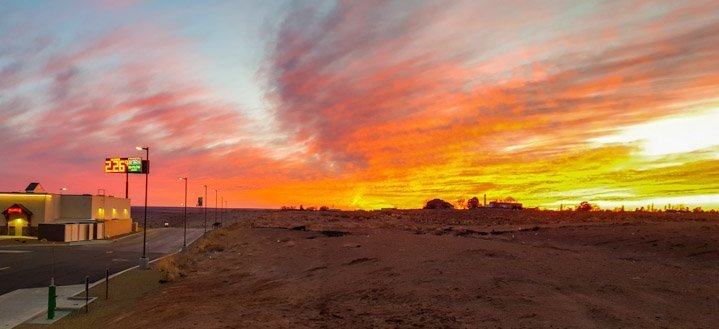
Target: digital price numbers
column 124, row 165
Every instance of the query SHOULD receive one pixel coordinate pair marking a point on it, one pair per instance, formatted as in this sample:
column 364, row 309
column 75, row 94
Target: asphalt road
column 28, row 266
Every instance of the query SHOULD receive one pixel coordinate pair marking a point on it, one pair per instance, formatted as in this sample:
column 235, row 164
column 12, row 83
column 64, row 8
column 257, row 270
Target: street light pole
column 184, row 234
column 144, row 261
column 204, row 206
column 222, row 210
column 215, row 206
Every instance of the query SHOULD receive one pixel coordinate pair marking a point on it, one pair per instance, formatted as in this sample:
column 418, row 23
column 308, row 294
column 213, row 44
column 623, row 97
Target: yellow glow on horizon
column 610, row 176
column 706, row 201
column 680, row 134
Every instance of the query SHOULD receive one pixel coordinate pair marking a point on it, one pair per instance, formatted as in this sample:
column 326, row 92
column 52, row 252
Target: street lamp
column 63, row 189
column 215, row 207
column 204, row 206
column 144, row 261
column 184, row 239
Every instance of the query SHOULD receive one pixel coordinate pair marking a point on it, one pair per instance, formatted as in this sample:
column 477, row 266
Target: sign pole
column 204, row 203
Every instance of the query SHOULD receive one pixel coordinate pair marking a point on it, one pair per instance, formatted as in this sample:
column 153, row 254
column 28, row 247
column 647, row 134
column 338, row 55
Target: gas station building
column 63, row 217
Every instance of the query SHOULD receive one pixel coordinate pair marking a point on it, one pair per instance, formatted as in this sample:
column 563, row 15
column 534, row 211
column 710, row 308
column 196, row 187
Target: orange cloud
column 375, row 104
column 427, row 119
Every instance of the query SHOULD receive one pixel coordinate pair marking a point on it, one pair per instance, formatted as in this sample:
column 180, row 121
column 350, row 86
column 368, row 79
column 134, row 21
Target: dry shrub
column 172, row 267
column 235, row 226
column 213, row 242
column 207, row 245
column 214, row 234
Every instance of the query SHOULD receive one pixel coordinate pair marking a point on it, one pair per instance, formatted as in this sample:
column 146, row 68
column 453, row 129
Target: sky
column 365, row 104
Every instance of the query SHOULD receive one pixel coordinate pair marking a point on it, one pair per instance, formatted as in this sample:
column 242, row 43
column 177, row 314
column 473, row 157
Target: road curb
column 91, row 285
column 136, row 266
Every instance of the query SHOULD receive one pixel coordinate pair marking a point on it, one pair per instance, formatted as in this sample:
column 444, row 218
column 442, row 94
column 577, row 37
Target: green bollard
column 51, row 302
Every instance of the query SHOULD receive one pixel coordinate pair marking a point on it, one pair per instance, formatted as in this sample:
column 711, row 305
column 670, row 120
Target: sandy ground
column 443, row 269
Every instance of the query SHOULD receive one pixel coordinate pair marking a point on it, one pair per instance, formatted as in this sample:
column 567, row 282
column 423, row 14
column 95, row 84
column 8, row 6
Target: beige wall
column 51, row 208
column 107, row 207
column 94, row 207
column 114, row 213
column 37, row 203
column 76, row 207
column 117, row 226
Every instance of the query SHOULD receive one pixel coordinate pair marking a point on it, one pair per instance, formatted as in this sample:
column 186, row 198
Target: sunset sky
column 366, row 104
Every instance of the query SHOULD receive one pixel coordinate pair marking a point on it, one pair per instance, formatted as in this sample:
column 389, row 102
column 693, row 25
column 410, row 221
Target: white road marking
column 13, row 251
column 120, row 260
column 4, row 268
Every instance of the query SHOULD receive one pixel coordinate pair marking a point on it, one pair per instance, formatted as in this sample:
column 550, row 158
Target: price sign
column 125, row 165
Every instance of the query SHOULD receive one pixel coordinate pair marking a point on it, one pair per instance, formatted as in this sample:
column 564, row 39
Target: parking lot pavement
column 25, row 270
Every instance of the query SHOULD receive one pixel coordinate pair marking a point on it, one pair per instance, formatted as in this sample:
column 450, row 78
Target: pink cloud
column 101, row 98
column 342, row 83
column 370, row 94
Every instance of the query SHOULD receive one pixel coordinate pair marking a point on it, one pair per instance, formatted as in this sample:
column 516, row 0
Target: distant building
column 63, row 217
column 504, row 205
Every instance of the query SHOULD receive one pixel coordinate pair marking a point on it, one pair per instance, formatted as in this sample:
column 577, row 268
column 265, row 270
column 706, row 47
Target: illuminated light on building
column 62, row 217
column 16, row 210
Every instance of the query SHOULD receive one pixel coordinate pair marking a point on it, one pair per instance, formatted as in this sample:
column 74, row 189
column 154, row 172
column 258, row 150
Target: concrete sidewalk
column 23, row 304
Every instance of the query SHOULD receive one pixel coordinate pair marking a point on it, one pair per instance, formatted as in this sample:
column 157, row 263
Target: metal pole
column 127, row 184
column 51, row 297
column 184, row 241
column 144, row 262
column 51, row 302
column 52, row 276
column 222, row 209
column 87, row 292
column 107, row 282
column 205, row 207
column 144, row 222
column 215, row 205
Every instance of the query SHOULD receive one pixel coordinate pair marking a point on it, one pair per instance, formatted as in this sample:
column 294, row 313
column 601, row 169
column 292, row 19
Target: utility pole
column 204, row 206
column 144, row 261
column 184, row 237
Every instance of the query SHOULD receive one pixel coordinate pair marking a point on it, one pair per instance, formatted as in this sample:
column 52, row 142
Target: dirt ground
column 443, row 269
